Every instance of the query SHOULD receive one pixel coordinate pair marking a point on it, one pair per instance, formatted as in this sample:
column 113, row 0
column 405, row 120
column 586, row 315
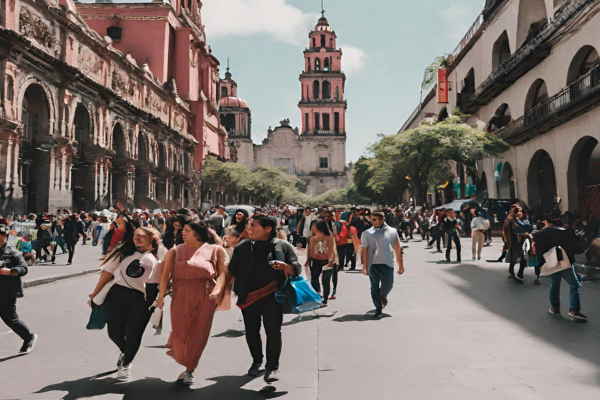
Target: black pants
column 451, row 237
column 438, row 237
column 334, row 277
column 127, row 315
column 42, row 246
column 8, row 313
column 71, row 249
column 316, row 269
column 346, row 255
column 269, row 311
column 516, row 256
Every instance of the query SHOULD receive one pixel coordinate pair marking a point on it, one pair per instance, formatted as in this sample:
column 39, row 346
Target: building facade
column 529, row 70
column 105, row 104
column 317, row 153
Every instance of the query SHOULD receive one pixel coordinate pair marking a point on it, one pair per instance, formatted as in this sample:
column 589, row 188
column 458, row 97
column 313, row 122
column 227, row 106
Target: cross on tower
column 322, row 9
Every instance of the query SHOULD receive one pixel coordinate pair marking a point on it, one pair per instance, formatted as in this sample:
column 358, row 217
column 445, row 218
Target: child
column 24, row 245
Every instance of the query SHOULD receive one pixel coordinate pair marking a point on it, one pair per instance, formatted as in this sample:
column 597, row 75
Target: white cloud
column 353, row 59
column 284, row 22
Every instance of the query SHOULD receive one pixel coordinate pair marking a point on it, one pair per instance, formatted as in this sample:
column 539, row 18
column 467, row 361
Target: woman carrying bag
column 260, row 267
column 200, row 279
column 129, row 269
column 321, row 258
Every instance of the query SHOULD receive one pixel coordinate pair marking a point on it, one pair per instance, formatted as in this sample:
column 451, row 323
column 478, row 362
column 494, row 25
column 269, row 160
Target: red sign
column 442, row 86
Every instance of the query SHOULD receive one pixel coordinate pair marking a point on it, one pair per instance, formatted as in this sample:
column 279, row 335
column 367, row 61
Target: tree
column 430, row 74
column 419, row 157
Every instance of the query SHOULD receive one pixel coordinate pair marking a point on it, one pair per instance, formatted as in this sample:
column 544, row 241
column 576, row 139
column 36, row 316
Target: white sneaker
column 188, row 378
column 124, row 373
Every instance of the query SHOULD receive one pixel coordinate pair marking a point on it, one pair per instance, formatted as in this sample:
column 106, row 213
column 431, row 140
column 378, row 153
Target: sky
column 386, row 44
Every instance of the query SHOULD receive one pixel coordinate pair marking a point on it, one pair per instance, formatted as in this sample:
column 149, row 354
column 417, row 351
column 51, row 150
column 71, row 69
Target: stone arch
column 50, row 98
column 468, row 87
column 317, row 64
column 443, row 114
column 482, row 187
column 326, row 90
column 584, row 170
column 541, row 182
column 500, row 51
column 537, row 94
column 501, row 118
column 162, row 156
column 142, row 148
column 506, row 184
column 119, row 142
column 585, row 58
column 82, row 124
column 532, row 14
column 82, row 172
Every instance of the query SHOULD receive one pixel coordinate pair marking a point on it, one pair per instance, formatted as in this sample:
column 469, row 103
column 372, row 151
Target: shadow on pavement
column 11, row 357
column 306, row 318
column 527, row 305
column 360, row 317
column 230, row 333
column 225, row 387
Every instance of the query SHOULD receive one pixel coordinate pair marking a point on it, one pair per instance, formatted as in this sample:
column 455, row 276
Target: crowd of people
column 207, row 261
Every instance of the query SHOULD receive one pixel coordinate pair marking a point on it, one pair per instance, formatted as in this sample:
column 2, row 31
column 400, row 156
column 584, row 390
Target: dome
column 233, row 102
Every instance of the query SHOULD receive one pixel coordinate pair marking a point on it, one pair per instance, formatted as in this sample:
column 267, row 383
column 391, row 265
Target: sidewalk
column 85, row 261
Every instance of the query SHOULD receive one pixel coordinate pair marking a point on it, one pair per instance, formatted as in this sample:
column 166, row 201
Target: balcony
column 574, row 100
column 324, row 102
column 534, row 50
column 323, row 132
column 471, row 34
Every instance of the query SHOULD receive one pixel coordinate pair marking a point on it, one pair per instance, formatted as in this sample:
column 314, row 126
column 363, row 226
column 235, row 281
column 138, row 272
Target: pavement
column 449, row 332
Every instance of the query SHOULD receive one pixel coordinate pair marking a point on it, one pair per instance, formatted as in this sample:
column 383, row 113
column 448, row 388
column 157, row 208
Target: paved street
column 449, row 332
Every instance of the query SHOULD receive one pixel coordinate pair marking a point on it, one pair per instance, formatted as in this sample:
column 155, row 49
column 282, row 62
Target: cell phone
column 272, row 262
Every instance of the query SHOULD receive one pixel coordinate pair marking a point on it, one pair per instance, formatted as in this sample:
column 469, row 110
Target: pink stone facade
column 105, row 104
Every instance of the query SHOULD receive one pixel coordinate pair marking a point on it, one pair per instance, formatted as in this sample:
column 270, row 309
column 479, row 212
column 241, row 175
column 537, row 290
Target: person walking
column 320, row 258
column 378, row 260
column 450, row 226
column 260, row 266
column 129, row 269
column 174, row 235
column 305, row 228
column 478, row 227
column 12, row 268
column 551, row 237
column 73, row 230
column 515, row 232
column 200, row 279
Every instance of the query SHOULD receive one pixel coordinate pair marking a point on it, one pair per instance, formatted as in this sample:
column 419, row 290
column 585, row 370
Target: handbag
column 297, row 296
column 97, row 319
column 556, row 261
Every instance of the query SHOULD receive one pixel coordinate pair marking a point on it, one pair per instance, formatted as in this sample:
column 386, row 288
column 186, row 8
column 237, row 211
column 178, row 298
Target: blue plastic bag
column 298, row 296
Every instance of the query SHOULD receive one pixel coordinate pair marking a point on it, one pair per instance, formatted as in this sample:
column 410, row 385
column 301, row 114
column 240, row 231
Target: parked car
column 231, row 209
column 497, row 210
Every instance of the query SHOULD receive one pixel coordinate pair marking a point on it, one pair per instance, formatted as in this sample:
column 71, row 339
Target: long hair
column 512, row 217
column 126, row 247
column 201, row 231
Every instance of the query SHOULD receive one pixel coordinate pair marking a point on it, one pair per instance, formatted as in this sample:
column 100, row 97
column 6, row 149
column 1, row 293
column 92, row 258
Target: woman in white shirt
column 129, row 269
column 478, row 227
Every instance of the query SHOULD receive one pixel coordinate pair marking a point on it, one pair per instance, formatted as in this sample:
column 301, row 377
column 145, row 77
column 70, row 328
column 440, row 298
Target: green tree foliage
column 430, row 75
column 418, row 158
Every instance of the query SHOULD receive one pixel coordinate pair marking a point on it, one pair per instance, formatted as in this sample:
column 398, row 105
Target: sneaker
column 554, row 311
column 120, row 360
column 439, row 251
column 271, row 376
column 578, row 315
column 188, row 378
column 378, row 313
column 458, row 261
column 29, row 345
column 384, row 301
column 448, row 260
column 332, row 297
column 124, row 373
column 254, row 370
column 429, row 247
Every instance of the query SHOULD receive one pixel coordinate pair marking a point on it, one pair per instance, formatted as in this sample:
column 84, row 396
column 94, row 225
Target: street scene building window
column 323, row 163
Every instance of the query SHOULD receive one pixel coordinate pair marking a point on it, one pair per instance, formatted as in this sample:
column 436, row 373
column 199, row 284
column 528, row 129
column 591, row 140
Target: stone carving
column 33, row 27
column 123, row 83
column 90, row 63
column 156, row 104
column 179, row 122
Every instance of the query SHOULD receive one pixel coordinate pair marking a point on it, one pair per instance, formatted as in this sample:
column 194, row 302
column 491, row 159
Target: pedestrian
column 478, row 227
column 43, row 241
column 320, row 258
column 450, row 226
column 13, row 267
column 260, row 266
column 551, row 237
column 305, row 228
column 200, row 278
column 515, row 233
column 378, row 260
column 73, row 230
column 129, row 269
column 174, row 236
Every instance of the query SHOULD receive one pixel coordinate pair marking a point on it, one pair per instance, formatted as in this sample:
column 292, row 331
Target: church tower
column 323, row 105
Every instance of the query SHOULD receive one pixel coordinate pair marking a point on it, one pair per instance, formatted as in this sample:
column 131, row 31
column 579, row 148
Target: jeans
column 382, row 282
column 8, row 313
column 127, row 314
column 574, row 296
column 451, row 237
column 346, row 255
column 97, row 231
column 269, row 310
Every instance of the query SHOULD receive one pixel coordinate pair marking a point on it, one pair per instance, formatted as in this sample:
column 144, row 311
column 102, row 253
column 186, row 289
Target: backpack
column 342, row 237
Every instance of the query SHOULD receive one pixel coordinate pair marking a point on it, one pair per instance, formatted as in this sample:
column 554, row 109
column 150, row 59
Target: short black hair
column 265, row 222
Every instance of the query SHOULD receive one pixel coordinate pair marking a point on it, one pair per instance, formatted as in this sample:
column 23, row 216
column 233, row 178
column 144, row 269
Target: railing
column 582, row 87
column 533, row 42
column 469, row 35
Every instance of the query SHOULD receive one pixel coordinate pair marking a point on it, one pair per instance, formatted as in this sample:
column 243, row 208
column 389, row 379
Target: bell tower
column 323, row 105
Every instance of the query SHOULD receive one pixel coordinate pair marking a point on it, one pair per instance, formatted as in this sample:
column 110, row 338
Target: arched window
column 501, row 51
column 317, row 64
column 82, row 128
column 119, row 144
column 10, row 88
column 443, row 114
column 322, row 40
column 326, row 90
column 501, row 118
column 584, row 60
column 537, row 94
column 331, row 42
column 467, row 87
column 316, row 94
column 532, row 15
column 309, row 66
column 314, row 41
column 224, row 92
column 326, row 65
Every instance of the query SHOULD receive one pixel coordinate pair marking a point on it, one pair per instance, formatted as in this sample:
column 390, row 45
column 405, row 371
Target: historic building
column 105, row 104
column 317, row 154
column 529, row 70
